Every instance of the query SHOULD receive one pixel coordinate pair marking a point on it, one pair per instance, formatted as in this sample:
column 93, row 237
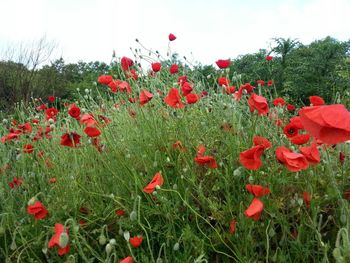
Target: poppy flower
column 268, row 58
column 51, row 99
column 223, row 63
column 60, row 239
column 145, row 96
column 270, row 83
column 257, row 190
column 132, row 74
column 311, row 153
column 126, row 63
column 25, row 127
column 74, row 111
column 173, row 99
column 124, row 86
column 132, row 100
column 186, row 88
column 278, row 102
column 230, row 89
column 341, row 157
column 136, row 241
column 92, row 132
column 258, row 140
column 260, row 82
column 300, row 139
column 206, row 160
column 258, row 103
column 127, row 260
column 157, row 180
column 16, row 182
column 120, row 212
column 290, row 107
column 181, row 80
column 28, row 148
column 88, row 120
column 174, row 69
column 51, row 113
column 179, row 145
column 233, row 223
column 328, row 123
column 247, row 87
column 41, row 107
column 255, row 209
column 192, row 98
column 294, row 162
column 71, row 139
column 291, row 129
column 307, row 199
column 156, row 66
column 105, row 79
column 113, row 85
column 347, row 194
column 222, row 81
column 38, row 210
column 250, row 158
column 171, row 37
column 316, row 100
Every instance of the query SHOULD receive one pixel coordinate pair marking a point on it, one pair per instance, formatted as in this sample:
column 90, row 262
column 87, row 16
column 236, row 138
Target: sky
column 89, row 30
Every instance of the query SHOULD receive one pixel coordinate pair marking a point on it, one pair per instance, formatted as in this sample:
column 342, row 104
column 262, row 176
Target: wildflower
column 311, row 153
column 294, row 162
column 258, row 103
column 268, row 58
column 28, row 148
column 250, row 158
column 258, row 140
column 127, row 260
column 260, row 82
column 71, row 139
column 16, row 182
column 126, row 63
column 300, row 139
column 145, row 96
column 38, row 210
column 270, row 83
column 200, row 159
column 316, row 100
column 174, row 69
column 136, row 241
column 120, row 212
column 186, row 88
column 223, row 63
column 104, row 79
column 157, row 180
column 278, row 102
column 92, row 132
column 257, row 190
column 60, row 239
column 307, row 199
column 192, row 98
column 74, row 111
column 156, row 66
column 255, row 209
column 291, row 129
column 171, row 37
column 329, row 123
column 290, row 107
column 51, row 99
column 222, row 81
column 173, row 99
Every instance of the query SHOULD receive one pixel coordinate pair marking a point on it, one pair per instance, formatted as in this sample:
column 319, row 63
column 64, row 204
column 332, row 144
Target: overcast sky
column 90, row 30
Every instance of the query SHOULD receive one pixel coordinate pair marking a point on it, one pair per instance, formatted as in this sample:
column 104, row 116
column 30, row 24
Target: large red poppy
column 173, row 99
column 294, row 162
column 157, row 180
column 255, row 209
column 38, row 210
column 250, row 158
column 258, row 103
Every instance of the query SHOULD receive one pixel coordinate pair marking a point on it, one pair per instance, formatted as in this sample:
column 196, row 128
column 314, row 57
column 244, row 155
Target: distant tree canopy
column 298, row 71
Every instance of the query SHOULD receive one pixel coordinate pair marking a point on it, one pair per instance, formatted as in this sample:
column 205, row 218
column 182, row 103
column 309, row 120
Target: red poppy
column 124, row 86
column 74, row 111
column 247, row 87
column 223, row 63
column 28, row 148
column 127, row 260
column 278, row 102
column 230, row 89
column 60, row 239
column 120, row 212
column 51, row 98
column 233, row 223
column 181, row 80
column 88, row 120
column 300, row 139
column 92, row 132
column 257, row 190
column 250, row 158
column 126, row 63
column 41, row 107
column 257, row 140
column 171, row 37
column 329, row 123
column 105, row 79
column 113, row 85
column 260, row 82
column 200, row 150
column 223, row 81
column 341, row 157
column 294, row 162
column 145, row 96
column 347, row 194
column 38, row 210
column 206, row 160
column 258, row 103
column 174, row 69
column 179, row 145
column 132, row 74
column 173, row 99
column 192, row 98
column 25, row 127
column 311, row 153
column 71, row 139
column 52, row 180
column 316, row 100
column 186, row 88
column 136, row 241
column 290, row 107
column 156, row 66
column 270, row 83
column 268, row 58
column 51, row 113
column 16, row 182
column 157, row 180
column 255, row 209
column 291, row 129
column 132, row 100
column 307, row 199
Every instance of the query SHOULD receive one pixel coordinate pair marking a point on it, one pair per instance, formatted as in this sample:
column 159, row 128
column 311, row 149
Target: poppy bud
column 31, row 201
column 102, row 240
column 126, row 235
column 109, row 248
column 63, row 240
column 133, row 216
column 176, row 246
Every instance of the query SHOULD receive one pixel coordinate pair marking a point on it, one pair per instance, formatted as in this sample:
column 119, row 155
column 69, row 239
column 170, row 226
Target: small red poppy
column 60, row 239
column 174, row 69
column 192, row 98
column 257, row 190
column 223, row 63
column 156, row 66
column 136, row 241
column 145, row 96
column 28, row 148
column 173, row 99
column 316, row 100
column 157, row 180
column 127, row 260
column 307, row 199
column 126, row 63
column 255, row 209
column 171, row 37
column 258, row 103
column 38, row 210
column 92, row 132
column 71, row 139
column 268, row 58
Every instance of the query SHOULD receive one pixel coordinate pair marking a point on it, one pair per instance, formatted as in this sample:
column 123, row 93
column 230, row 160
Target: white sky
column 90, row 30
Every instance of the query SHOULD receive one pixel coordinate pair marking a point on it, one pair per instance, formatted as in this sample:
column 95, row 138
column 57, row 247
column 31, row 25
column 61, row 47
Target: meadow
column 163, row 167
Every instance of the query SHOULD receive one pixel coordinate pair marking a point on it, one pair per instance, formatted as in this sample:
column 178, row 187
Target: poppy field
column 161, row 166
